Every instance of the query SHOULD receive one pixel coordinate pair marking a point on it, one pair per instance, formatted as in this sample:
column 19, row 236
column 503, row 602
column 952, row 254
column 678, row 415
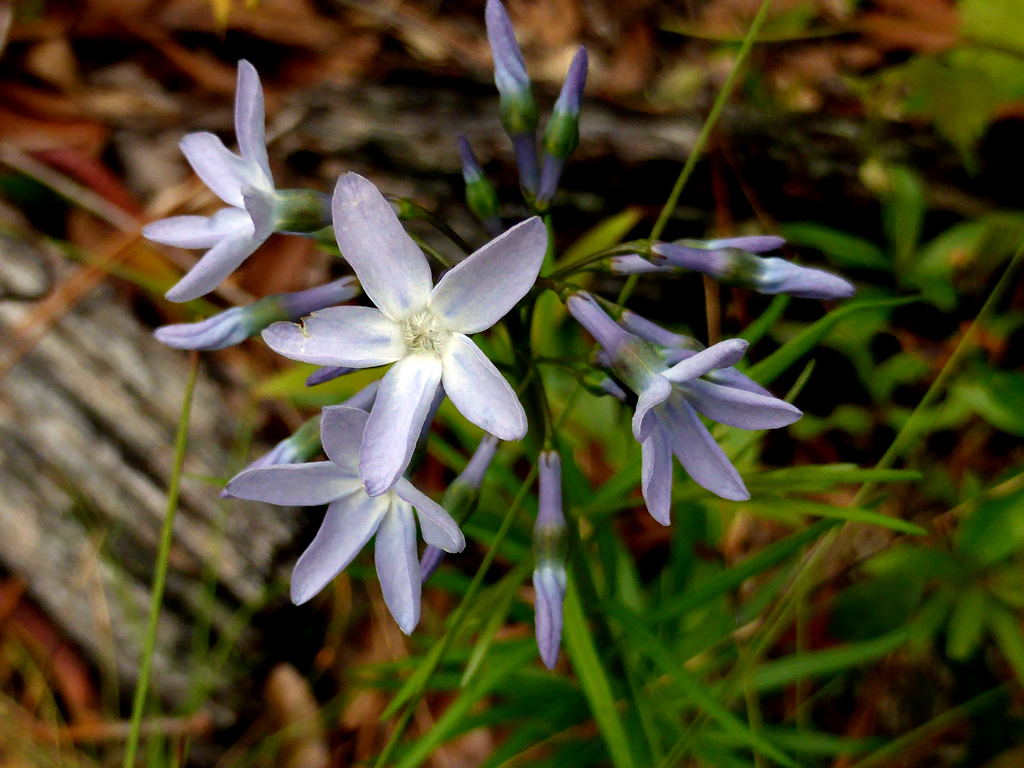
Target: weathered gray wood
column 87, row 425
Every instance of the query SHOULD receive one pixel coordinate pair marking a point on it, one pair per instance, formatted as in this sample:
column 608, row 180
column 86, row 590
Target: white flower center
column 424, row 332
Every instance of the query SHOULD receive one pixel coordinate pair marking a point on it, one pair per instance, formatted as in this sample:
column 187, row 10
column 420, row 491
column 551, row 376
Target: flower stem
column 702, row 139
column 160, row 576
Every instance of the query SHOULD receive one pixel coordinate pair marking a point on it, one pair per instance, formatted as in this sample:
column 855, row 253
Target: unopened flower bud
column 518, row 109
column 461, row 498
column 237, row 324
column 480, row 194
column 549, row 552
column 300, row 211
column 632, row 359
column 562, row 133
column 733, row 261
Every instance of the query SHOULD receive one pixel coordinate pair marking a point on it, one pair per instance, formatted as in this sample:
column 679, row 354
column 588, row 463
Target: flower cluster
column 420, row 322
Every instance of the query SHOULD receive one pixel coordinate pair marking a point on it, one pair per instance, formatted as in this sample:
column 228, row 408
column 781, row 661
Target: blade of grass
column 579, row 644
column 162, row 561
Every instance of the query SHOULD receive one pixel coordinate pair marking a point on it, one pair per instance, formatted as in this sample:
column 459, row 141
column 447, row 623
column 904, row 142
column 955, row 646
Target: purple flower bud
column 481, row 197
column 572, row 89
column 648, row 331
column 509, row 65
column 716, row 263
column 327, row 373
column 588, row 313
column 525, row 146
column 237, row 324
column 461, row 497
column 635, row 264
column 562, row 133
column 549, row 576
column 752, row 243
column 781, row 276
column 471, row 170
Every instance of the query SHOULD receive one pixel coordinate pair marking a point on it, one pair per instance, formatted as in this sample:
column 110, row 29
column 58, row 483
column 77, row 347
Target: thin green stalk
column 160, row 576
column 702, row 140
column 913, row 429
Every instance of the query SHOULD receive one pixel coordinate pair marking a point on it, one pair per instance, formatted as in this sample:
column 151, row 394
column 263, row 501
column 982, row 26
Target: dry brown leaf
column 53, row 61
column 293, row 707
column 31, row 134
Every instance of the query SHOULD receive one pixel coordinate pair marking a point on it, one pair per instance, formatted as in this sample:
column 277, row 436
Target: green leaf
column 785, row 509
column 646, row 642
column 842, row 248
column 996, row 396
column 1006, row 629
column 993, row 21
column 903, row 209
column 782, row 672
column 505, row 592
column 967, row 624
column 815, row 478
column 781, row 359
column 994, row 531
column 731, row 579
column 579, row 644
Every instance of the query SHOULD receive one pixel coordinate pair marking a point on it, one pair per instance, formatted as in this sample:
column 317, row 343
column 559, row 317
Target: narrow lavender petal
column 738, row 407
column 302, row 303
column 401, row 407
column 525, row 147
column 781, row 276
column 214, row 267
column 439, row 529
column 294, row 485
column 397, row 566
column 430, row 560
column 753, row 243
column 634, row 264
column 730, row 377
column 341, row 434
column 480, row 392
column 648, row 331
column 713, row 263
column 549, row 583
column 392, row 269
column 571, row 95
column 655, row 393
column 701, row 457
column 250, row 117
column 656, row 474
column 359, row 337
column 198, row 231
column 348, row 525
column 222, row 330
column 509, row 66
column 328, row 373
column 588, row 313
column 224, row 172
column 721, row 355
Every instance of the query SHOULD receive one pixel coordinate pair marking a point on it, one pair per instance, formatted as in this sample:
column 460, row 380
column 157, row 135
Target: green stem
column 702, row 140
column 160, row 577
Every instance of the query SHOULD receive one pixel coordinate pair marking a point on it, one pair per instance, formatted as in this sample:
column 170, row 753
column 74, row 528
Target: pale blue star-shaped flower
column 666, row 419
column 353, row 517
column 423, row 329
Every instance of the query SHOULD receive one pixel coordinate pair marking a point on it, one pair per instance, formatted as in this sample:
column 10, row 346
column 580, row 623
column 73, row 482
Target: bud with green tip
column 481, row 197
column 461, row 497
column 549, row 553
column 518, row 109
column 562, row 133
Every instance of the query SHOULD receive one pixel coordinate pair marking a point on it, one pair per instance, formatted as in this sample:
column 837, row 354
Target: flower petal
column 392, row 269
column 751, row 243
column 294, row 485
column 781, row 276
column 635, row 264
column 397, row 567
column 549, row 584
column 438, row 527
column 221, row 170
column 341, row 434
column 701, row 457
column 249, row 119
column 721, row 355
column 480, row 392
column 403, row 402
column 478, row 292
column 730, row 377
column 198, row 231
column 357, row 337
column 737, row 407
column 347, row 526
column 214, row 267
column 260, row 207
column 656, row 474
column 656, row 392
